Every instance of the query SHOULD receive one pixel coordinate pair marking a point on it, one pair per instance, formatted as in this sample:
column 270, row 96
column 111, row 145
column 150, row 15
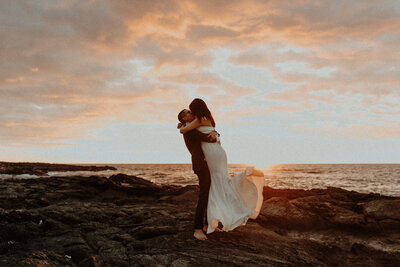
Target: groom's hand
column 179, row 125
column 213, row 136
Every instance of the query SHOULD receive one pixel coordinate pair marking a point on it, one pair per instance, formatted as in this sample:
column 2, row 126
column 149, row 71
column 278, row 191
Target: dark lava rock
column 128, row 221
column 382, row 209
column 41, row 169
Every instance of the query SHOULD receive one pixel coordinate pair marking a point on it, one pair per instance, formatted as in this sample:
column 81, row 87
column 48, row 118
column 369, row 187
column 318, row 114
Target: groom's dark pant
column 205, row 183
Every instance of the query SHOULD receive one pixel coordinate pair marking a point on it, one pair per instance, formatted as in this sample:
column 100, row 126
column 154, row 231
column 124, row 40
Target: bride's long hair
column 199, row 109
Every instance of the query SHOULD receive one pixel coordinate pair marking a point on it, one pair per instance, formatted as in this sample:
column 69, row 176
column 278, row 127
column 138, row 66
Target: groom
column 193, row 141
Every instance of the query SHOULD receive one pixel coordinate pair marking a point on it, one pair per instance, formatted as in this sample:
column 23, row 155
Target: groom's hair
column 180, row 115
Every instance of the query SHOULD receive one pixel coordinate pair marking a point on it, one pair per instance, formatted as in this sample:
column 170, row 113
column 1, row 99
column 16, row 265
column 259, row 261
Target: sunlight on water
column 366, row 178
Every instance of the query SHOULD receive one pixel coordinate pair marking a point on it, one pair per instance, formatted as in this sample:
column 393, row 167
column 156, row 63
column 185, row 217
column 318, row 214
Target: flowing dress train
column 232, row 200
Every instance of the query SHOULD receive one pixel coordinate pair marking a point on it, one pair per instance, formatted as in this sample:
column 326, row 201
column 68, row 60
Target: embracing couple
column 223, row 200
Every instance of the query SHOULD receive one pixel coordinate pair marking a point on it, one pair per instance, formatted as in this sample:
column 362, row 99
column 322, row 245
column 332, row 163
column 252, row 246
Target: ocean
column 377, row 178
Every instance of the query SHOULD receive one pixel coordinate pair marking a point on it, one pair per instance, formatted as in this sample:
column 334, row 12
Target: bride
column 232, row 200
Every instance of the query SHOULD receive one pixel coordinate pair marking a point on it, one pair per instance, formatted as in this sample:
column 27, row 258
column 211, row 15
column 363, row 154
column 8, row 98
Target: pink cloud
column 357, row 132
column 67, row 64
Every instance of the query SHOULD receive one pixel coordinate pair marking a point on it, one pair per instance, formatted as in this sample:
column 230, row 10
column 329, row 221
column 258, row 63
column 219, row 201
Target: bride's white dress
column 232, row 200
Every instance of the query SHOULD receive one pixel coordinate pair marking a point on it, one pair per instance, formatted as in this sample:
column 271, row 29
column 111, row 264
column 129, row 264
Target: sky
column 286, row 81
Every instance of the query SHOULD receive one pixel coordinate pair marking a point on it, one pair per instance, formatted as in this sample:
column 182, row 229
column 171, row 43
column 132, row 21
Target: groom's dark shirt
column 193, row 141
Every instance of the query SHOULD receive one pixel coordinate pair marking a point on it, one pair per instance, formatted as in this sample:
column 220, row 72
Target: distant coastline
column 41, row 168
column 382, row 178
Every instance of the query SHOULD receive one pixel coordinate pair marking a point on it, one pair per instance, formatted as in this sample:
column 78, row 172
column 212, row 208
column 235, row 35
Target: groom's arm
column 210, row 137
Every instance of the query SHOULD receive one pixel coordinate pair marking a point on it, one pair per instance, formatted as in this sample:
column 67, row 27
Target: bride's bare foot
column 205, row 228
column 199, row 235
column 219, row 228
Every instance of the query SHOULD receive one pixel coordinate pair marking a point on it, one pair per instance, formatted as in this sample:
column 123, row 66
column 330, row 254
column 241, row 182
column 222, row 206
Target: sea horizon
column 166, row 163
column 382, row 178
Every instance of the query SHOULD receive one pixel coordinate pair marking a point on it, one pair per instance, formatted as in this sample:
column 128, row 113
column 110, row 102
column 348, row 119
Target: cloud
column 68, row 65
column 168, row 55
column 356, row 132
column 206, row 33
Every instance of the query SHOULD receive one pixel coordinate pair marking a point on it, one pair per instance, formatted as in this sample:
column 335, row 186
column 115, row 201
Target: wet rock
column 279, row 211
column 41, row 169
column 133, row 183
column 328, row 215
column 78, row 253
column 152, row 231
column 382, row 209
column 91, row 261
column 128, row 221
column 184, row 198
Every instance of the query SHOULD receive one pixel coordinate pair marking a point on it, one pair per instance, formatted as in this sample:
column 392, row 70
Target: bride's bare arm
column 190, row 126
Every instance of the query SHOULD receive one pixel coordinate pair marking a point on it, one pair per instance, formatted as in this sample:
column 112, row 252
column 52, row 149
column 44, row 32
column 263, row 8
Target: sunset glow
column 287, row 82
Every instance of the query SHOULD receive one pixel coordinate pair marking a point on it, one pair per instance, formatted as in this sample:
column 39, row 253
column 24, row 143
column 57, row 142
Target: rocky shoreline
column 41, row 169
column 128, row 221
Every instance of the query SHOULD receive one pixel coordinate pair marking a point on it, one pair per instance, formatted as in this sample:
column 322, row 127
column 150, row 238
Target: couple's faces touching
column 188, row 117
